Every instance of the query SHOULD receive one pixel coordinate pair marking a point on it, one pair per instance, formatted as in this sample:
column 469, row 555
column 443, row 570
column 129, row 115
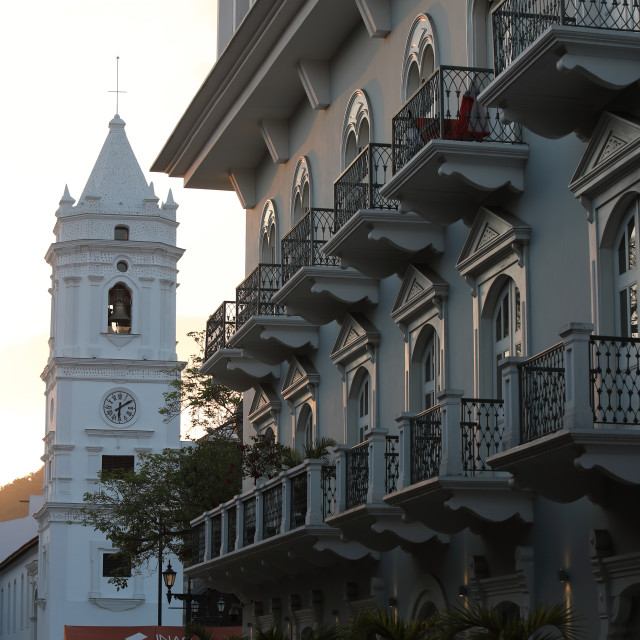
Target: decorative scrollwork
column 482, row 428
column 272, row 511
column 445, row 107
column 517, row 24
column 359, row 185
column 426, row 444
column 357, row 461
column 221, row 325
column 392, row 464
column 615, row 380
column 542, row 394
column 298, row 500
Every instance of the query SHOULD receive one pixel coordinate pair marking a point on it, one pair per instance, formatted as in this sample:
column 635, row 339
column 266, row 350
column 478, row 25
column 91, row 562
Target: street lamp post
column 169, row 577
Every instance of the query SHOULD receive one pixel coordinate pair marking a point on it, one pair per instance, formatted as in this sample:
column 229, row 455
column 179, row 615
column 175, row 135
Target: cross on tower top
column 117, row 91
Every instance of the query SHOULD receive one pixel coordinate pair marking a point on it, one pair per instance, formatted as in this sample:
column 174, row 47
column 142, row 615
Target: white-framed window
column 364, row 407
column 299, row 390
column 264, row 411
column 420, row 55
column 626, row 273
column 480, row 33
column 507, row 327
column 428, row 367
column 304, row 428
column 419, row 311
column 355, row 355
column 269, row 234
column 356, row 128
column 300, row 190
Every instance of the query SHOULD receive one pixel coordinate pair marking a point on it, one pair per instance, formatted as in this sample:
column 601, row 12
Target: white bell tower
column 112, row 344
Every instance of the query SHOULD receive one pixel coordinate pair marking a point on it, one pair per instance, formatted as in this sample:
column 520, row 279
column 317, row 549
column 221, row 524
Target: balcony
column 370, row 234
column 364, row 474
column 264, row 331
column 314, row 286
column 275, row 530
column 574, row 411
column 444, row 480
column 228, row 365
column 558, row 64
column 450, row 152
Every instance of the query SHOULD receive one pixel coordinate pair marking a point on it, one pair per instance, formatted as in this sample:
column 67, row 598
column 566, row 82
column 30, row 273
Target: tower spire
column 117, row 91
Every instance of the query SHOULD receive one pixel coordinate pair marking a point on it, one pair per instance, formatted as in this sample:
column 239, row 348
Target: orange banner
column 142, row 633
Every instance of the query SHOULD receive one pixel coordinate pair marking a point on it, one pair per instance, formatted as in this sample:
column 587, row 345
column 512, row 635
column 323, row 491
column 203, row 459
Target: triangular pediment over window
column 356, row 335
column 613, row 150
column 265, row 403
column 494, row 235
column 421, row 289
column 300, row 377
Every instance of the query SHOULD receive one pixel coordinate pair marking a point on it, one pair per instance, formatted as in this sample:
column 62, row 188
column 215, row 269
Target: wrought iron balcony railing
column 359, row 185
column 221, row 325
column 446, row 107
column 426, row 444
column 328, row 479
column 216, row 535
column 232, row 530
column 298, row 511
column 249, row 521
column 302, row 246
column 542, row 394
column 300, row 496
column 482, row 428
column 255, row 292
column 272, row 511
column 518, row 23
column 615, row 380
column 197, row 543
column 391, row 463
column 357, row 466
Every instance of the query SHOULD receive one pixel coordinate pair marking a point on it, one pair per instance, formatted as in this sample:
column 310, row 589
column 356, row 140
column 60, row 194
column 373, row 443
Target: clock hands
column 121, row 406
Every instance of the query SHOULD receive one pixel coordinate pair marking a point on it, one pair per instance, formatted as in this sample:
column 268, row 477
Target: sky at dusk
column 58, row 60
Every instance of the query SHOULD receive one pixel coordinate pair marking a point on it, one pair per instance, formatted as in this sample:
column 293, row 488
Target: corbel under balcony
column 380, row 242
column 447, row 179
column 238, row 370
column 568, row 464
column 382, row 527
column 573, row 417
column 322, row 294
column 306, row 549
column 452, row 503
column 273, row 339
column 562, row 81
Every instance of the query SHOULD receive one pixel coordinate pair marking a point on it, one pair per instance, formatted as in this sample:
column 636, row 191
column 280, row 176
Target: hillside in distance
column 11, row 495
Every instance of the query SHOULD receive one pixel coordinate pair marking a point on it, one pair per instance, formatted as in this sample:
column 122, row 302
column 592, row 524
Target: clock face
column 119, row 407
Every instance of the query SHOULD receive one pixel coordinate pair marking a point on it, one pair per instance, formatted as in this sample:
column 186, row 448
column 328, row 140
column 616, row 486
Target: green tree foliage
column 385, row 625
column 140, row 510
column 209, row 406
column 479, row 622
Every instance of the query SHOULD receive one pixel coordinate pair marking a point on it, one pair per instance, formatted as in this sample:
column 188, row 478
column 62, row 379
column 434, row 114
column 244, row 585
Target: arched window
column 428, row 368
column 626, row 273
column 304, row 428
column 364, row 407
column 119, row 309
column 121, row 232
column 480, row 33
column 269, row 234
column 507, row 329
column 356, row 129
column 301, row 191
column 420, row 56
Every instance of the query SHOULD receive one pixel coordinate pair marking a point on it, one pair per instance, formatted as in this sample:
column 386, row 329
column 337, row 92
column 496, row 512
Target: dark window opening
column 115, row 566
column 121, row 233
column 119, row 314
column 118, row 464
